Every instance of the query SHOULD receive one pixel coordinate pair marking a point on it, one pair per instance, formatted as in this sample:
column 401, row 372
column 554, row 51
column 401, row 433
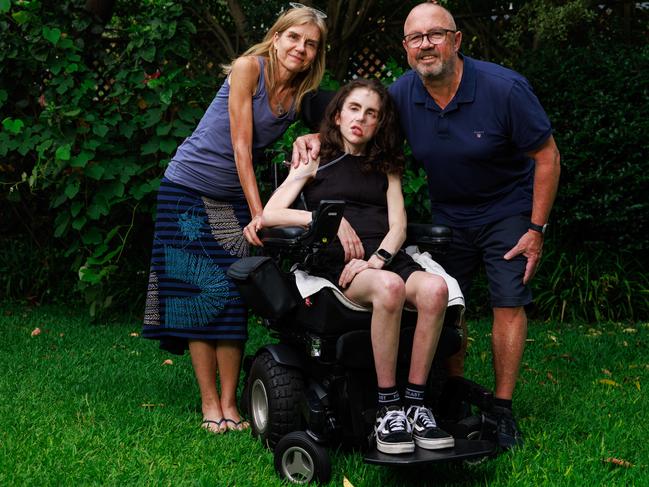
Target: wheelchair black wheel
column 471, row 427
column 274, row 393
column 300, row 460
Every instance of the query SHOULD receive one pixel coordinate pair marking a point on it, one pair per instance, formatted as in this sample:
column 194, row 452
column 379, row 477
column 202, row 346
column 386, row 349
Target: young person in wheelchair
column 361, row 162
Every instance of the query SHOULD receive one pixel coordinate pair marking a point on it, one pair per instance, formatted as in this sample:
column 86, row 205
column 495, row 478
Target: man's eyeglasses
column 318, row 13
column 436, row 36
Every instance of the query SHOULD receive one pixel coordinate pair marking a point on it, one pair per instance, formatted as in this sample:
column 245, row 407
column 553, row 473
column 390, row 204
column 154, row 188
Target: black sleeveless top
column 365, row 194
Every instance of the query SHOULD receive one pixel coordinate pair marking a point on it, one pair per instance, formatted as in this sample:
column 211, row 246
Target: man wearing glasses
column 493, row 170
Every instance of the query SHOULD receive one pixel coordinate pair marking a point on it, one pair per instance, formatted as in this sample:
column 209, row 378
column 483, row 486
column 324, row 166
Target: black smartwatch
column 538, row 228
column 384, row 255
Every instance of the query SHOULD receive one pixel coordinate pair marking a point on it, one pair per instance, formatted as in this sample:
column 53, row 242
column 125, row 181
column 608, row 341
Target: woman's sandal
column 240, row 425
column 220, row 428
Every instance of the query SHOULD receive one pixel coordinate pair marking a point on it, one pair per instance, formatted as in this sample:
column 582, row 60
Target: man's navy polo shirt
column 473, row 151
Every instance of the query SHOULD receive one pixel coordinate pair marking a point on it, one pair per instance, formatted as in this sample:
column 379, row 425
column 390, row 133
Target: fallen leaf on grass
column 347, row 483
column 134, row 334
column 36, row 332
column 618, row 461
column 168, row 362
column 606, row 372
column 552, row 379
column 608, row 382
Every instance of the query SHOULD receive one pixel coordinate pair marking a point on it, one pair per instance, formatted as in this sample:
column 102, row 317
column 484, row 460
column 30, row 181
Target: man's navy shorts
column 488, row 244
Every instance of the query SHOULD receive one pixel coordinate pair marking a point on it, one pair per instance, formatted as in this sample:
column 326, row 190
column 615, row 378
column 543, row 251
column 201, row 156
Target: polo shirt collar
column 465, row 92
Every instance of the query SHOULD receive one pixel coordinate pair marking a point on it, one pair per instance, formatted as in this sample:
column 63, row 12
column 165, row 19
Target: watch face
column 384, row 254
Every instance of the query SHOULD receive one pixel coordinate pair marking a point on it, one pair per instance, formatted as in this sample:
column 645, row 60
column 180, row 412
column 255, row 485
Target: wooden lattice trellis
column 365, row 63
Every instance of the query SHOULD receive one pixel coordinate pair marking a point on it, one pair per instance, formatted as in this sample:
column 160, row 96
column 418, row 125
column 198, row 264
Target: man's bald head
column 430, row 9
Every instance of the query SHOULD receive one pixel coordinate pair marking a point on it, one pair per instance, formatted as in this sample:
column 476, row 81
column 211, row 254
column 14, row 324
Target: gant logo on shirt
column 478, row 133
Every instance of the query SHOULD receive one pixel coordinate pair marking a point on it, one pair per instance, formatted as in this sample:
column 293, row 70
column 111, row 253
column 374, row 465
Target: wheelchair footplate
column 463, row 450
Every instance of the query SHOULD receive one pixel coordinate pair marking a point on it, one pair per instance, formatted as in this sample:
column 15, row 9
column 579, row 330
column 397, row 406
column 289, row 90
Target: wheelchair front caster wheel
column 300, row 460
column 474, row 428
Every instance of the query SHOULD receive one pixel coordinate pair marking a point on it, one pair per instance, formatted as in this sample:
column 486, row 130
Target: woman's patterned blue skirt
column 196, row 239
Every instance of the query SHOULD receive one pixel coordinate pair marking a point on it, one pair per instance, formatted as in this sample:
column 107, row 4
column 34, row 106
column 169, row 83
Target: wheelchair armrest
column 320, row 232
column 281, row 236
column 429, row 238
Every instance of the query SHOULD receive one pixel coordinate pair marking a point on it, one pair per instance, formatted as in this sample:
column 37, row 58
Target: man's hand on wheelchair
column 352, row 245
column 305, row 148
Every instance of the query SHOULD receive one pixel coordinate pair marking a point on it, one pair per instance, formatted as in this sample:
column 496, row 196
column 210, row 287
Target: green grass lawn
column 88, row 404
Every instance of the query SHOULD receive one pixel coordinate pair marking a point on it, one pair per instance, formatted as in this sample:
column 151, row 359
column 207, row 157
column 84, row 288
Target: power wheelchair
column 317, row 385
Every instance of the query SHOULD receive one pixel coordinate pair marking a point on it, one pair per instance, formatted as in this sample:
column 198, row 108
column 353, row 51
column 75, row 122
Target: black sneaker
column 392, row 431
column 425, row 432
column 507, row 433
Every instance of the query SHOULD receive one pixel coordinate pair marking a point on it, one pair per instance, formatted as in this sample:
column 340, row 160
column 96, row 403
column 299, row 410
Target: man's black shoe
column 507, row 433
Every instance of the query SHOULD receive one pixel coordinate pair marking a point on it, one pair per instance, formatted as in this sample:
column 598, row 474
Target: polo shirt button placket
column 442, row 126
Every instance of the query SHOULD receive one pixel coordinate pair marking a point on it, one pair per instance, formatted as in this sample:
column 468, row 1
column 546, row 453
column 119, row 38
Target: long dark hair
column 385, row 150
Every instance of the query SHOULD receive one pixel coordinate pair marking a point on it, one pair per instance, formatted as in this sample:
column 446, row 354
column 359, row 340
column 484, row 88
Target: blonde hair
column 306, row 81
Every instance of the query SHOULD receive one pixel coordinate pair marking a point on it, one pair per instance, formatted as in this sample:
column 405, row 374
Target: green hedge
column 90, row 117
column 597, row 97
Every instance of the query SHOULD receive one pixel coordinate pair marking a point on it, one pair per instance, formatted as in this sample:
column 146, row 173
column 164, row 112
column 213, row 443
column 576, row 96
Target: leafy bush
column 92, row 119
column 32, row 273
column 591, row 287
column 90, row 115
column 599, row 112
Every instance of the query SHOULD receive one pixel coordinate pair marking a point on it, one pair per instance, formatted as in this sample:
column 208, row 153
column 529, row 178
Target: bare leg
column 508, row 343
column 430, row 296
column 228, row 353
column 203, row 356
column 385, row 291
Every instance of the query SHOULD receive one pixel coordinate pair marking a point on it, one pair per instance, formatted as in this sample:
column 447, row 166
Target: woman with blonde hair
column 209, row 208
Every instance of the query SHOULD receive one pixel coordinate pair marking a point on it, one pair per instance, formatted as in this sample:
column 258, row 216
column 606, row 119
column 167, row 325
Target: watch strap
column 384, row 255
column 538, row 228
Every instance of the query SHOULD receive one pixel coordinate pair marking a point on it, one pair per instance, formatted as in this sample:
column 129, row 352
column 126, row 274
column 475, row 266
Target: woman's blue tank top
column 205, row 160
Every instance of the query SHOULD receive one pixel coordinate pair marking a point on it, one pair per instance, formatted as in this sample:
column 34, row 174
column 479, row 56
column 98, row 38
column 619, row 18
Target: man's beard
column 435, row 72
